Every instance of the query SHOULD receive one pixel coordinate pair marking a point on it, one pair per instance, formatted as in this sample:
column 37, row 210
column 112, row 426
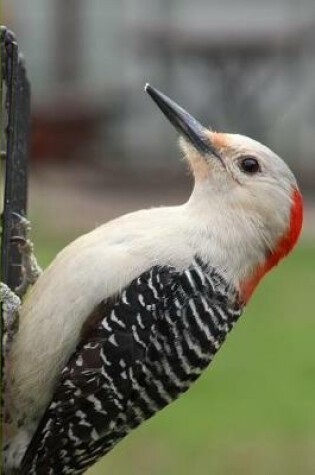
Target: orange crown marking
column 284, row 246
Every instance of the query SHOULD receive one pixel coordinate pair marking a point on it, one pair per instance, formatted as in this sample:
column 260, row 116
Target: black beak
column 184, row 123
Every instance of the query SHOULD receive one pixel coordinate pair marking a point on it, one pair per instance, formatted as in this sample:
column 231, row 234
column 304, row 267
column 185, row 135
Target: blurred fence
column 237, row 66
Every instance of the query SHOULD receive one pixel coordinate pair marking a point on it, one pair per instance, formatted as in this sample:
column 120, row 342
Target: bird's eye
column 249, row 165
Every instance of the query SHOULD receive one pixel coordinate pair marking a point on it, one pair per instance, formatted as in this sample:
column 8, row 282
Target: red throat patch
column 284, row 246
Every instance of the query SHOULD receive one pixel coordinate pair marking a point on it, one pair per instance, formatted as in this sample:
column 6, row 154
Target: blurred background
column 100, row 148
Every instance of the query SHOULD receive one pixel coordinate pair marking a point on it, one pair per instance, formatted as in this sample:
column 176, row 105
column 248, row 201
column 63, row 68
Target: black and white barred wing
column 139, row 354
column 89, row 403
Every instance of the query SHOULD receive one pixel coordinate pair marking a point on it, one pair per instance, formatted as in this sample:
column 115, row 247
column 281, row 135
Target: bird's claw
column 23, row 226
column 21, row 241
column 10, row 306
column 18, row 215
column 30, row 268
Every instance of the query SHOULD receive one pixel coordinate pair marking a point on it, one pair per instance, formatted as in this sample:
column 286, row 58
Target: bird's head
column 245, row 196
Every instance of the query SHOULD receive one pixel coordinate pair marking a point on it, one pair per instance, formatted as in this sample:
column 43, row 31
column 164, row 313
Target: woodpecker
column 127, row 317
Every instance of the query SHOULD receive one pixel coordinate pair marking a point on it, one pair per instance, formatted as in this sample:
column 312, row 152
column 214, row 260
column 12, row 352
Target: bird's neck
column 282, row 248
column 231, row 240
column 226, row 240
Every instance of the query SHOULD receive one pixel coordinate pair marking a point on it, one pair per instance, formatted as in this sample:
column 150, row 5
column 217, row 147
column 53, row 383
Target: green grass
column 253, row 411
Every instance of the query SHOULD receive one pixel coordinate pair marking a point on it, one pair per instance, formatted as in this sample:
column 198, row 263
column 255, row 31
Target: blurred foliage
column 252, row 412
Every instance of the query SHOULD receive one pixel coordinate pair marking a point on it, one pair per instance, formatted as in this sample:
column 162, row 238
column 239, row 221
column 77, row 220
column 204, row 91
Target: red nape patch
column 284, row 246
